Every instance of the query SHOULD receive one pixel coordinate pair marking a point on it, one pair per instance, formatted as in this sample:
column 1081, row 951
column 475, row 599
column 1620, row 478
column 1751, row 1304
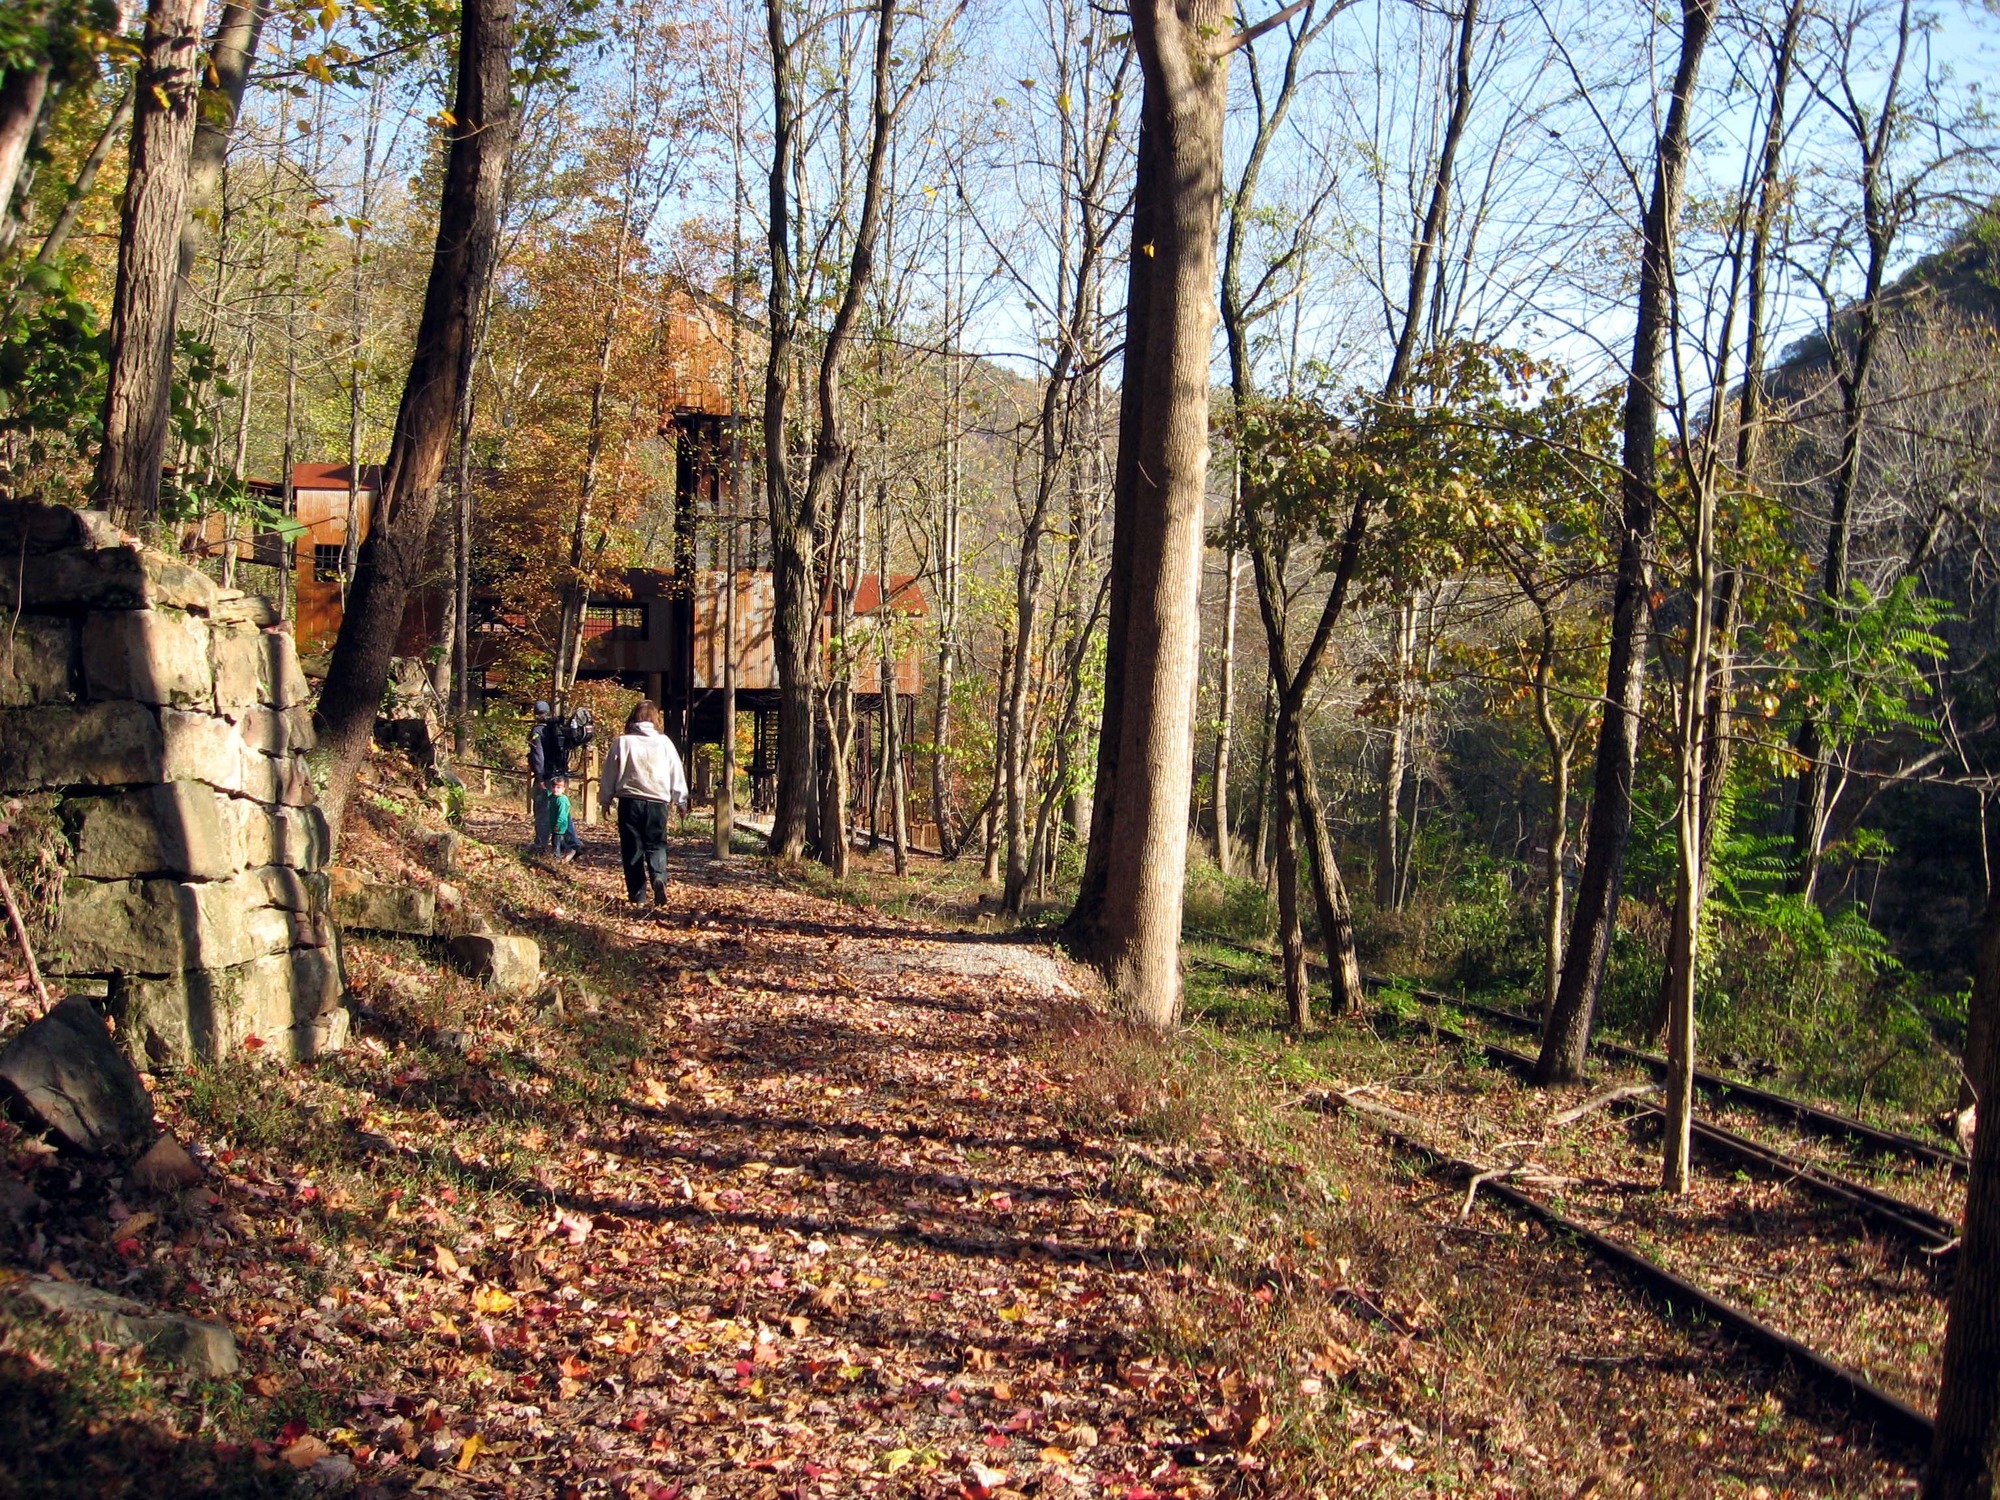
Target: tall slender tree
column 1566, row 1037
column 1128, row 915
column 232, row 50
column 480, row 137
column 1294, row 665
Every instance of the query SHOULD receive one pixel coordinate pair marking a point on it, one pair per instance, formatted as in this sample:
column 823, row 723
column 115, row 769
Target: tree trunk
column 139, row 383
column 947, row 647
column 1015, row 750
column 1558, row 825
column 231, row 53
column 1692, row 829
column 1749, row 431
column 86, row 179
column 22, row 94
column 1225, row 714
column 797, row 515
column 940, row 744
column 1237, row 318
column 1336, row 912
column 461, row 581
column 990, row 872
column 1715, row 771
column 1291, row 938
column 245, row 384
column 357, row 378
column 1982, row 1004
column 1260, row 818
column 725, row 780
column 406, row 499
column 1086, row 922
column 1965, row 1451
column 836, row 739
column 1395, row 766
column 1137, row 937
column 1566, row 1038
column 892, row 729
column 24, row 100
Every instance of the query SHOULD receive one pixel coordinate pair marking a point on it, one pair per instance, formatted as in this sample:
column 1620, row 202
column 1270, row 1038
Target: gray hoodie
column 644, row 763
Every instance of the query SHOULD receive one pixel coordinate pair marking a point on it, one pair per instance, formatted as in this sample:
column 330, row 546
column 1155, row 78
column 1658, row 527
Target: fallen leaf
column 306, row 1452
column 135, row 1226
column 491, row 1299
column 897, row 1459
column 468, row 1451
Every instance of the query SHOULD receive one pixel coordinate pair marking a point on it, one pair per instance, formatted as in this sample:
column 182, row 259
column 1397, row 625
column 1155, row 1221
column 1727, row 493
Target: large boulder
column 63, row 1074
column 412, row 717
column 510, row 966
column 121, row 577
column 162, row 926
column 255, row 666
column 157, row 656
column 363, row 905
column 285, row 1006
column 31, row 529
column 176, row 828
column 279, row 835
column 203, row 1348
column 202, row 747
column 38, row 663
column 54, row 745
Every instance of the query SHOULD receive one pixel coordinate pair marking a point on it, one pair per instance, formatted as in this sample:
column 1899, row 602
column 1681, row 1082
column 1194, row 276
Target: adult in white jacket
column 643, row 774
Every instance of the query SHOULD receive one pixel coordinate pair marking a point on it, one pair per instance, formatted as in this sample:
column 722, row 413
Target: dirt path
column 886, row 1255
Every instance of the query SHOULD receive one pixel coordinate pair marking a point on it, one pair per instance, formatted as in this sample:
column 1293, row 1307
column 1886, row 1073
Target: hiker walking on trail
column 643, row 774
column 548, row 758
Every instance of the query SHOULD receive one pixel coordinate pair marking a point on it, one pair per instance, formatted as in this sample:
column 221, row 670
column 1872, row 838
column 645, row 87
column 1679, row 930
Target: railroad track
column 1849, row 1389
column 1930, row 1232
column 1765, row 1101
column 1820, row 1121
column 1845, row 1387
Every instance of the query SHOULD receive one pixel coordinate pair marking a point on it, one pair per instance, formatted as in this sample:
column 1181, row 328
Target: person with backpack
column 541, row 739
column 550, row 747
column 644, row 776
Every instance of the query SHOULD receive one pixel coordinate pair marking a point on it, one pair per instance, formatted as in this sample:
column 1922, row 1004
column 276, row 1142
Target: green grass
column 77, row 1420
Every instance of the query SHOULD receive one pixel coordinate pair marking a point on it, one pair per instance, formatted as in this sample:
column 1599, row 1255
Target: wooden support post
column 590, row 785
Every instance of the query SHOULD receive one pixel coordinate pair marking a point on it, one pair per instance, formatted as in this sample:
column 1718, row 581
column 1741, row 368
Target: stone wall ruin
column 154, row 726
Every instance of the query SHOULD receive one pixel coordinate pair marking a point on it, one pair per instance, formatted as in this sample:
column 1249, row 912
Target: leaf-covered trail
column 859, row 1242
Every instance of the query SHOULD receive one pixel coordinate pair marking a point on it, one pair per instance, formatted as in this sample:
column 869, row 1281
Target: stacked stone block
column 156, row 724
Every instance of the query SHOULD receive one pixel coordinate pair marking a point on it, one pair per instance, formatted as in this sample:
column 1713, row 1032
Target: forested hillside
column 1391, row 534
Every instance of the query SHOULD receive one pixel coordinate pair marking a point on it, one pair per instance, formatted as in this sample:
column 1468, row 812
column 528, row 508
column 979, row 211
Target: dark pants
column 642, row 843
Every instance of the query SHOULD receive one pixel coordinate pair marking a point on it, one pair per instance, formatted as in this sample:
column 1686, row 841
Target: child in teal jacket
column 562, row 830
